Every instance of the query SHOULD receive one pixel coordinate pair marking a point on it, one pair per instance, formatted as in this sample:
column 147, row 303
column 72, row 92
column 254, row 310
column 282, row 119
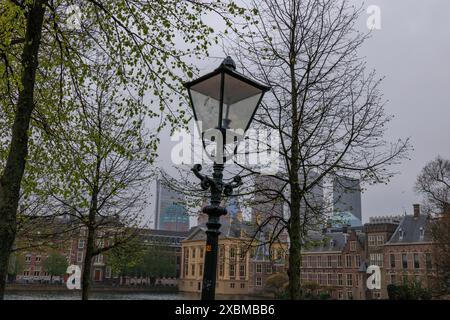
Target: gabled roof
column 318, row 242
column 409, row 231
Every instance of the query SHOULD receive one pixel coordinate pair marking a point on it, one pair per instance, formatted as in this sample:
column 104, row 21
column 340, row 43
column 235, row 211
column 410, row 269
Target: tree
column 325, row 106
column 123, row 259
column 42, row 50
column 158, row 262
column 16, row 265
column 55, row 264
column 309, row 288
column 433, row 183
column 101, row 164
column 412, row 290
column 277, row 284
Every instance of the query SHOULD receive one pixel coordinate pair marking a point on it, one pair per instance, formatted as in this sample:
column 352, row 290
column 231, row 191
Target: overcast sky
column 412, row 51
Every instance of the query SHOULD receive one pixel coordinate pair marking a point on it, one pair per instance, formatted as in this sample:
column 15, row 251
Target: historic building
column 408, row 254
column 165, row 240
column 378, row 231
column 243, row 261
column 335, row 262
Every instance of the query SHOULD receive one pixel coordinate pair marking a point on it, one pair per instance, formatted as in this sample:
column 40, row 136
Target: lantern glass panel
column 206, row 101
column 239, row 103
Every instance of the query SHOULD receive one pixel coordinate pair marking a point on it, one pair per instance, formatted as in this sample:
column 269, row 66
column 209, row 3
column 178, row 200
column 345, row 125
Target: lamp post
column 224, row 101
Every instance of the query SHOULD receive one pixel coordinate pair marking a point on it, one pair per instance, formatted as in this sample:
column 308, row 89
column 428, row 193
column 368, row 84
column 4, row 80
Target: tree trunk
column 294, row 252
column 294, row 225
column 11, row 177
column 86, row 279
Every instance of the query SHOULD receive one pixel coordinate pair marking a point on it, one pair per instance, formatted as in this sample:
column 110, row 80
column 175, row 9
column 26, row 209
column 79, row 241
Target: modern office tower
column 170, row 214
column 347, row 196
column 267, row 202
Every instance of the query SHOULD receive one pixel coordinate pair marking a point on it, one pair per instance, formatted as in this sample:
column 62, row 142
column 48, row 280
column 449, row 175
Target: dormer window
column 401, row 234
column 422, row 232
column 331, row 243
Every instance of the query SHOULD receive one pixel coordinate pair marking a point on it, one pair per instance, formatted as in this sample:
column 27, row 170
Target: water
column 68, row 295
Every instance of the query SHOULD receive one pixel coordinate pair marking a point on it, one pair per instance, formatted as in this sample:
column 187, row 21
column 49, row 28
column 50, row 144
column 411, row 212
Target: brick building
column 335, row 262
column 408, row 255
column 101, row 272
column 378, row 231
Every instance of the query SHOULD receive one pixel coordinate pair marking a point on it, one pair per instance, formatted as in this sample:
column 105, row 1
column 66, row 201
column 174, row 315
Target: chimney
column 416, row 210
column 344, row 229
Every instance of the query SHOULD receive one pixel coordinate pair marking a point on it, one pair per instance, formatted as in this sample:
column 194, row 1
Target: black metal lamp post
column 227, row 101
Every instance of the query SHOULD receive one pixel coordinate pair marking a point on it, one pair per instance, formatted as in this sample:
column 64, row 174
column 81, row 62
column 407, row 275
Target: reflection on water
column 74, row 295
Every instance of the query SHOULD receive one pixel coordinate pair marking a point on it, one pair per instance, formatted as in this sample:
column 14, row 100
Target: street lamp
column 224, row 101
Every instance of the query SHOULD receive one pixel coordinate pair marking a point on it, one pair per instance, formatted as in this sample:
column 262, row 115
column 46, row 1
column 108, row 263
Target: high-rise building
column 267, row 200
column 170, row 214
column 347, row 196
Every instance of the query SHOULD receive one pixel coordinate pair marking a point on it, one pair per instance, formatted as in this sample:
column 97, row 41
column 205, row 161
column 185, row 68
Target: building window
column 79, row 256
column 376, row 259
column 232, row 252
column 81, row 243
column 38, row 258
column 258, row 268
column 242, row 270
column 98, row 258
column 268, row 268
column 428, row 260
column 186, row 261
column 242, row 253
column 26, row 272
column 339, row 263
column 192, row 269
column 329, row 280
column 221, row 269
column 108, row 272
column 401, row 234
column 340, row 295
column 349, row 279
column 232, row 285
column 28, row 258
column 308, row 261
column 358, row 261
column 392, row 260
column 201, row 253
column 348, row 259
column 193, row 253
column 232, row 270
column 258, row 281
column 380, row 240
column 352, row 245
column 393, row 279
column 242, row 285
column 350, row 295
column 319, row 261
column 37, row 272
column 200, row 270
column 340, row 279
column 329, row 263
column 372, row 241
column 416, row 261
column 404, row 261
